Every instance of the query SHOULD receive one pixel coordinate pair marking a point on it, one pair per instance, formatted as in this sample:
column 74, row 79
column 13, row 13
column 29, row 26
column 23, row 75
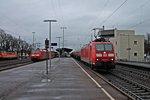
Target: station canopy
column 64, row 49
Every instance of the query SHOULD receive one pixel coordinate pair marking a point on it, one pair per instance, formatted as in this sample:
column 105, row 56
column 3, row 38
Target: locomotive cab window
column 35, row 51
column 108, row 47
column 104, row 47
column 99, row 47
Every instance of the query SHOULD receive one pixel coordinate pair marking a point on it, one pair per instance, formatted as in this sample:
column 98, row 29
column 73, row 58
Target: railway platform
column 138, row 64
column 65, row 81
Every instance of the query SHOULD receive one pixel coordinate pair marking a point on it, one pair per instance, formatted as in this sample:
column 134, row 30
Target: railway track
column 9, row 64
column 133, row 82
column 97, row 74
column 139, row 76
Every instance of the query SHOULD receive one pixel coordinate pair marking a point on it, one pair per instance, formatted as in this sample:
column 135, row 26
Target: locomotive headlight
column 37, row 55
column 98, row 55
column 111, row 55
column 112, row 59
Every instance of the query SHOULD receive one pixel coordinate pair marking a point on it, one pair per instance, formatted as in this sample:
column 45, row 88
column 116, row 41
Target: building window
column 135, row 42
column 135, row 54
column 116, row 42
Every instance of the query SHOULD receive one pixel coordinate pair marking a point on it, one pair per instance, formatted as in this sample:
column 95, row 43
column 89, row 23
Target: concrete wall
column 128, row 46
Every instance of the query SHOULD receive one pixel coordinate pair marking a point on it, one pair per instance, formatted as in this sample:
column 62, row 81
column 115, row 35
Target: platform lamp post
column 59, row 46
column 33, row 38
column 50, row 21
column 63, row 28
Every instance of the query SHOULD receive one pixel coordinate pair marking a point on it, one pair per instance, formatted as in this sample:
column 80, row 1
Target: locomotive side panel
column 8, row 55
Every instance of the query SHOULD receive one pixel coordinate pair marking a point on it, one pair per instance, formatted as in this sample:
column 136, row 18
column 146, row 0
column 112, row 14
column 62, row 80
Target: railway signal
column 46, row 43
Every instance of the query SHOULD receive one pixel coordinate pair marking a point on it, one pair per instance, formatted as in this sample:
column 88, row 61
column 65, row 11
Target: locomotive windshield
column 35, row 51
column 104, row 47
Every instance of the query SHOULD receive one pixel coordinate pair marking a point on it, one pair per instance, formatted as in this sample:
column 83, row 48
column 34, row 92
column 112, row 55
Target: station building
column 128, row 46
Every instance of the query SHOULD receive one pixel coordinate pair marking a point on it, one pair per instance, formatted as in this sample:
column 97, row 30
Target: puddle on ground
column 45, row 80
column 39, row 85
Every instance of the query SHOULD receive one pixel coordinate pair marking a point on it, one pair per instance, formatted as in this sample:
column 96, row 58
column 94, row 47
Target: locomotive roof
column 101, row 40
column 93, row 43
column 101, row 43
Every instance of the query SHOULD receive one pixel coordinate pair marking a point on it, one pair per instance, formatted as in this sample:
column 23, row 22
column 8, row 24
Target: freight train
column 41, row 54
column 98, row 54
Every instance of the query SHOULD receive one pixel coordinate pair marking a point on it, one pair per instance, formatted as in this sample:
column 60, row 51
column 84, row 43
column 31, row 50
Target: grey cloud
column 79, row 16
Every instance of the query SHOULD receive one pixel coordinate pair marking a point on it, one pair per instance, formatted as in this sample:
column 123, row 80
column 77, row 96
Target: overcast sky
column 22, row 17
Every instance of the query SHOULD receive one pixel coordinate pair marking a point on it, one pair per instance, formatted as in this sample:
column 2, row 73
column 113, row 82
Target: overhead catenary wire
column 145, row 3
column 55, row 12
column 16, row 25
column 106, row 3
column 58, row 12
column 61, row 12
column 8, row 32
column 104, row 6
column 144, row 21
column 140, row 7
column 113, row 12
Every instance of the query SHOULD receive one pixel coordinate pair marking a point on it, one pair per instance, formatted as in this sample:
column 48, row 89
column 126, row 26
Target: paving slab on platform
column 65, row 81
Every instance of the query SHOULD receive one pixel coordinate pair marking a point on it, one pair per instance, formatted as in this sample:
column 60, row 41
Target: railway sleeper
column 144, row 93
column 130, row 86
column 136, row 88
column 138, row 91
column 145, row 97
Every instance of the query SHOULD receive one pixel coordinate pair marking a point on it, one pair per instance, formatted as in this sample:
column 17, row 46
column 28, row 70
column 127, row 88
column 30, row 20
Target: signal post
column 47, row 54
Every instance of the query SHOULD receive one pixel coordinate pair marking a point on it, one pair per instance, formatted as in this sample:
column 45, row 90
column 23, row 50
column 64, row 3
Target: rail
column 8, row 64
column 135, row 82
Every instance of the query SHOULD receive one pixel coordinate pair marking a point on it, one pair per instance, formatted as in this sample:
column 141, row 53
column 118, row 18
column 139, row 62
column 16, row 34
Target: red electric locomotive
column 40, row 54
column 100, row 55
column 8, row 55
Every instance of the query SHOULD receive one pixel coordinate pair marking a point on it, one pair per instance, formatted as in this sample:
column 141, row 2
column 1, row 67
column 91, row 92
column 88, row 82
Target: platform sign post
column 47, row 54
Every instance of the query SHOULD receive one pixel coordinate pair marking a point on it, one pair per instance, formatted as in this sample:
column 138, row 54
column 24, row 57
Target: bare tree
column 10, row 43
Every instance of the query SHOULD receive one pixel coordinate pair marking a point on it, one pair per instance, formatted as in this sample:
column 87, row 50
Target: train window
column 104, row 47
column 100, row 47
column 35, row 51
column 108, row 47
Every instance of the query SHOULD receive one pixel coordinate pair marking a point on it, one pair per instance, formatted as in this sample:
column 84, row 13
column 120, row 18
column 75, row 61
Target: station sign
column 53, row 44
